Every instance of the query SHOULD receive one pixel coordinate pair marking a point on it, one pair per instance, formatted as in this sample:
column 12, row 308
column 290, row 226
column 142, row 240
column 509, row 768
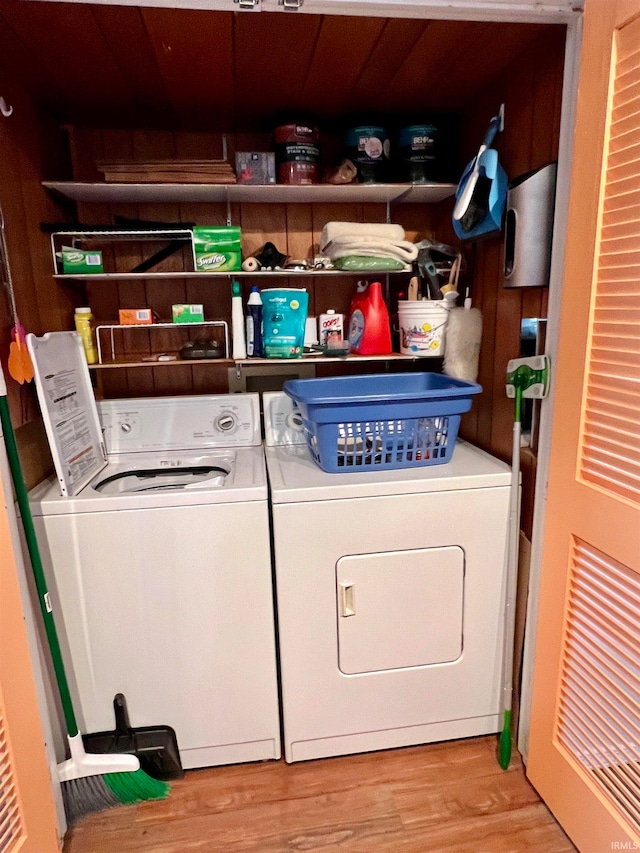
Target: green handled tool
column 526, row 377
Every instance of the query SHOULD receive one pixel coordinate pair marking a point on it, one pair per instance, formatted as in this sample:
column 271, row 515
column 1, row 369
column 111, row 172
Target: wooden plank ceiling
column 124, row 66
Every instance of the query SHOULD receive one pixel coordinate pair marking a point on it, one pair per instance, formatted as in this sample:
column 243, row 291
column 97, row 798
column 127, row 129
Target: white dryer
column 160, row 560
column 390, row 596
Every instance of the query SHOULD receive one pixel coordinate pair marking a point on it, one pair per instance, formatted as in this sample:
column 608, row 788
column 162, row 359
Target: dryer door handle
column 347, row 599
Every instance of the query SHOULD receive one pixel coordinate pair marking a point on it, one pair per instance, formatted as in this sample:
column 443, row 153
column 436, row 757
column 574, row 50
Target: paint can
column 418, row 153
column 297, row 153
column 368, row 147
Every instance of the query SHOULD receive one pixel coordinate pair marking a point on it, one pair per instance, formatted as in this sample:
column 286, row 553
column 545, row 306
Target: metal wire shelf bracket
column 112, row 328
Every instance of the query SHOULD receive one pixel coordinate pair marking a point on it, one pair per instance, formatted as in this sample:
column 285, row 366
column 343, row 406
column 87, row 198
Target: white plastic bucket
column 422, row 326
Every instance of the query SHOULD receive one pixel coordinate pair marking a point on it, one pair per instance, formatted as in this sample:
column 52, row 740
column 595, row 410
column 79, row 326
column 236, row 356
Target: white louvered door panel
column 584, row 754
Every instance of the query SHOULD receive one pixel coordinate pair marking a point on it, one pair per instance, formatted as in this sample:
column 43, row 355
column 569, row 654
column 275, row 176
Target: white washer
column 161, row 563
column 390, row 596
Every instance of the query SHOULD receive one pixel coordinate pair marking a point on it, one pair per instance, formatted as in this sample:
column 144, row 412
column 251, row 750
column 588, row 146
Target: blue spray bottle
column 254, row 323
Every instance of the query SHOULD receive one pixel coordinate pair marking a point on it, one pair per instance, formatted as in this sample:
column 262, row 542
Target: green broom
column 89, row 782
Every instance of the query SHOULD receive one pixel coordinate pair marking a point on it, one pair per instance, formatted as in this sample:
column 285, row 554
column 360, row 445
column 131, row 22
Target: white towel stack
column 340, row 239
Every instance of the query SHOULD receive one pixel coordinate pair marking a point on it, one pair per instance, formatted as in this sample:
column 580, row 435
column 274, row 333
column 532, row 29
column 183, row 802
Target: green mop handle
column 505, row 742
column 36, row 562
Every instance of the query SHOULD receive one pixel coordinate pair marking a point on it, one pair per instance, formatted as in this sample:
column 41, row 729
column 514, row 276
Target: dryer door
column 399, row 609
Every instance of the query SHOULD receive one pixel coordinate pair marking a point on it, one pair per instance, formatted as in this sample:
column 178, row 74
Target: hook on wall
column 5, row 109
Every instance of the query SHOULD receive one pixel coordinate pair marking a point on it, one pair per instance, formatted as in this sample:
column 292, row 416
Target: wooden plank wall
column 31, row 147
column 531, row 89
column 294, row 228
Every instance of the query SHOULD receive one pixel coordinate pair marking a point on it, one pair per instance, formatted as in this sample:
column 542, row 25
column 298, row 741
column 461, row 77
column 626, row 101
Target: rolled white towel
column 371, row 247
column 337, row 230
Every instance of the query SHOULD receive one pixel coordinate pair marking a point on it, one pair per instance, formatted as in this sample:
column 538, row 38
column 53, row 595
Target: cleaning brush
column 464, row 335
column 89, row 782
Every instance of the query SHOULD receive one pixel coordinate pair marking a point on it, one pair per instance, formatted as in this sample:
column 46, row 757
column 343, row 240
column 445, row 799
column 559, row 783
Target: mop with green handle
column 89, row 782
column 526, row 377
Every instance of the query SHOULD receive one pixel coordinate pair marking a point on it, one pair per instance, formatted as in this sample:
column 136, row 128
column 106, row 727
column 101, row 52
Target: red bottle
column 369, row 327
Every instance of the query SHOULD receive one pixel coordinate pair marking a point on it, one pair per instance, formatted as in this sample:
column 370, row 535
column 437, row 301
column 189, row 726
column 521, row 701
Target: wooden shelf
column 123, row 361
column 251, row 194
column 122, row 276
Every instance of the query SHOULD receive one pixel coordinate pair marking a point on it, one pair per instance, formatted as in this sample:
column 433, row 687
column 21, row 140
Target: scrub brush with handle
column 89, row 782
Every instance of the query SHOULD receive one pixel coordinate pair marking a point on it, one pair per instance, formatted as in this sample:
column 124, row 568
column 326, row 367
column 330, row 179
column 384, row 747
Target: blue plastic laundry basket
column 381, row 421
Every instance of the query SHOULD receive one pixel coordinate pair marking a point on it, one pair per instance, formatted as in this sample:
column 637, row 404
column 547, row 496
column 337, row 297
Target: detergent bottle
column 369, row 327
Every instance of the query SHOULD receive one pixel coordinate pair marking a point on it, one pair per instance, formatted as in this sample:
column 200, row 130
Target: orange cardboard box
column 135, row 316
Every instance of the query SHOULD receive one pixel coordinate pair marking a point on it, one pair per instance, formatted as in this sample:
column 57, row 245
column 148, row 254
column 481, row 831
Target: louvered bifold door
column 584, row 747
column 610, row 454
column 27, row 812
column 11, row 824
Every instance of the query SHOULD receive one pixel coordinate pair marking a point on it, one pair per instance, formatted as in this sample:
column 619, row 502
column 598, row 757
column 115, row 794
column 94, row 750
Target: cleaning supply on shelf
column 284, row 317
column 369, row 326
column 217, row 248
column 83, row 319
column 80, row 261
column 481, row 195
column 330, row 326
column 187, row 313
column 254, row 324
column 464, row 335
column 237, row 322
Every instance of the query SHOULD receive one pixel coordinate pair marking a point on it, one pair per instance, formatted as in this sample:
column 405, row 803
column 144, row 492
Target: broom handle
column 512, row 560
column 36, row 562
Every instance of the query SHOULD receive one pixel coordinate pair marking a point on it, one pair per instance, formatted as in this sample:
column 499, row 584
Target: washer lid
column 68, row 408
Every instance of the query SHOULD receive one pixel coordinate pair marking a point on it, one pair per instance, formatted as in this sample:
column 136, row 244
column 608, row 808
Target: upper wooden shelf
column 259, row 194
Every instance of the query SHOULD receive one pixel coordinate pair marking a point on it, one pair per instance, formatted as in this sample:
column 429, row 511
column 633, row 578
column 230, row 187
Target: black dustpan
column 155, row 746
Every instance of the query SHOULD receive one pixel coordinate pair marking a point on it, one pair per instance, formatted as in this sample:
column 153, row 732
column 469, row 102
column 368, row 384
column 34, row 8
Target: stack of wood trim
column 169, row 172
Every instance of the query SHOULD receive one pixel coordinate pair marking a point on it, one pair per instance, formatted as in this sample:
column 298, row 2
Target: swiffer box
column 217, row 248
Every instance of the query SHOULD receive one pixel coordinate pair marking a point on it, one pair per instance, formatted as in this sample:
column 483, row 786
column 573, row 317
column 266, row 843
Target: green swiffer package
column 217, row 248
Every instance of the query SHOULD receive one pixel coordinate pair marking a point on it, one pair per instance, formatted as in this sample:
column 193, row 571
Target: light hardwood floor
column 441, row 798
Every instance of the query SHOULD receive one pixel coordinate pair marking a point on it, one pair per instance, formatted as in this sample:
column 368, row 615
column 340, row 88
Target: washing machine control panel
column 180, row 423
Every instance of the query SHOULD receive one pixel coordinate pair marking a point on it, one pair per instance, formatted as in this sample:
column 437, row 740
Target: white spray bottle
column 237, row 322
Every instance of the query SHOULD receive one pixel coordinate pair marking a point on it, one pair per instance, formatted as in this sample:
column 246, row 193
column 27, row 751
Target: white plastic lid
column 83, row 310
column 331, row 311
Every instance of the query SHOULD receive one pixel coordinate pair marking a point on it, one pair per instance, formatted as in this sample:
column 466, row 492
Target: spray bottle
column 237, row 322
column 254, row 323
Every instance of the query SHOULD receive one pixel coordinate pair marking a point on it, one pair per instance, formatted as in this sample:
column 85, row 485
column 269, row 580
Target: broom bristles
column 90, row 794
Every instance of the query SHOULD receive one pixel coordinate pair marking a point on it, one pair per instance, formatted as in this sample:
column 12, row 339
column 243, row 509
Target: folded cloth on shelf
column 357, row 263
column 375, row 247
column 338, row 230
